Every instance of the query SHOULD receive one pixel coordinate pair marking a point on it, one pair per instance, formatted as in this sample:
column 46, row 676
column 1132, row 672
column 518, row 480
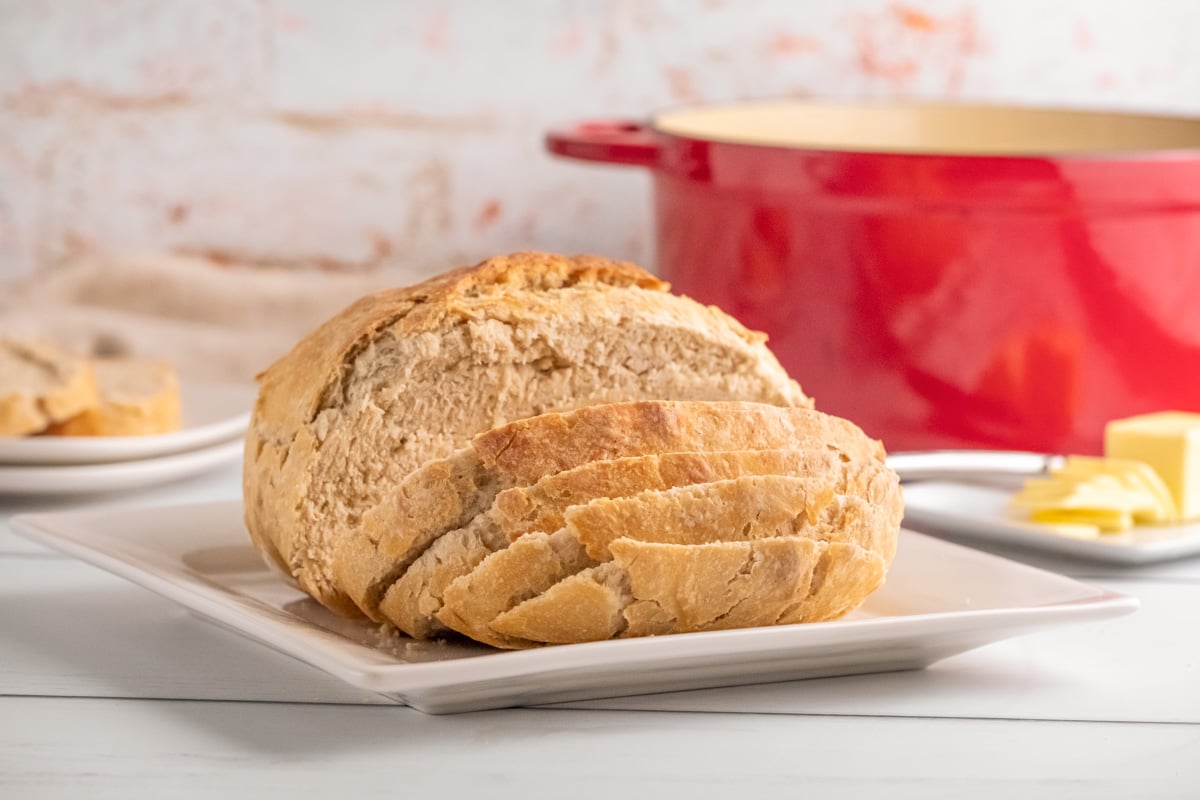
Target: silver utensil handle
column 970, row 464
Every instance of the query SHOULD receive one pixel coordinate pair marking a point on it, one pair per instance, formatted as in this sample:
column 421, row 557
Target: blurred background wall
column 380, row 141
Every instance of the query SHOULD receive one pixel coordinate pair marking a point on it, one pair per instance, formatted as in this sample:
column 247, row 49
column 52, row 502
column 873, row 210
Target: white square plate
column 940, row 599
column 973, row 512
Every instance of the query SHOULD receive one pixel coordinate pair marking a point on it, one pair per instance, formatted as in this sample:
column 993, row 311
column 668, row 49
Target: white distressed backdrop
column 387, row 140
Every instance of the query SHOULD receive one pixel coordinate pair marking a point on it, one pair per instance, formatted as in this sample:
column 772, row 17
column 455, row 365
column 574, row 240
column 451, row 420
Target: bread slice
column 653, row 588
column 407, row 376
column 749, row 507
column 446, row 495
column 826, row 507
column 41, row 384
column 502, row 578
column 586, row 606
column 540, row 507
column 136, row 398
column 411, row 603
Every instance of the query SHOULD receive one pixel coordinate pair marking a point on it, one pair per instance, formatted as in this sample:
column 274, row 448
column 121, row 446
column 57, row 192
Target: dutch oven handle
column 608, row 141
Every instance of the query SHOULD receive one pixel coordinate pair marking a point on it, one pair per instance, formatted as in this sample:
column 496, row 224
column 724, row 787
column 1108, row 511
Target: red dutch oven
column 944, row 275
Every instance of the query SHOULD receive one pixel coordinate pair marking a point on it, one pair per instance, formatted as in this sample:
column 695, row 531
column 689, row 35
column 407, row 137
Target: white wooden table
column 107, row 690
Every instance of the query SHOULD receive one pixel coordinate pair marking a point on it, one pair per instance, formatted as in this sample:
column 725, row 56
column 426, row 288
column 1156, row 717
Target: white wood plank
column 52, row 748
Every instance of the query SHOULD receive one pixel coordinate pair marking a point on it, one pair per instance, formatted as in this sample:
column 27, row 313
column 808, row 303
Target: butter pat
column 1104, row 494
column 1169, row 442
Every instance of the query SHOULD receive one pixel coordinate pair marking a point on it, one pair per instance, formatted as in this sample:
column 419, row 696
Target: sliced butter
column 1132, row 475
column 1169, row 442
column 1107, row 495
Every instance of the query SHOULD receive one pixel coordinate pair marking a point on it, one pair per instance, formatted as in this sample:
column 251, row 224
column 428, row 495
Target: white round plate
column 212, row 412
column 46, row 480
column 983, row 514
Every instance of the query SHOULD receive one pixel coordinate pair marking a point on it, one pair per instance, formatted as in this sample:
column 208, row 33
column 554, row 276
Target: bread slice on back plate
column 409, row 376
column 445, row 496
column 137, row 397
column 41, row 384
column 827, row 507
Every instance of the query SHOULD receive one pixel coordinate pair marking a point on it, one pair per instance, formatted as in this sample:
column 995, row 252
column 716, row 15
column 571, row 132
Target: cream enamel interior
column 932, row 128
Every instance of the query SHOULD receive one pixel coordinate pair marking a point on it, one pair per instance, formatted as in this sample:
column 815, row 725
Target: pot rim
column 661, row 126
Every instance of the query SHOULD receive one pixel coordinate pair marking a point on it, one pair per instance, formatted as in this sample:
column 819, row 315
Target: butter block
column 1169, row 441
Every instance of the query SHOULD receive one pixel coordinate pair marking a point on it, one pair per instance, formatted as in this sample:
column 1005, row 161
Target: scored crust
column 407, row 376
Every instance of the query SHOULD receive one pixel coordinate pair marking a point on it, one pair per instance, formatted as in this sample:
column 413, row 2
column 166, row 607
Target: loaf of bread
column 41, row 384
column 404, row 379
column 541, row 450
column 136, row 397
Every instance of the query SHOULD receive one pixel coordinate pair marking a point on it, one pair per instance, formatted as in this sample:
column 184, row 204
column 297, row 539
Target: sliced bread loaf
column 445, row 495
column 413, row 601
column 408, row 376
column 824, row 507
column 41, row 384
column 136, row 398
